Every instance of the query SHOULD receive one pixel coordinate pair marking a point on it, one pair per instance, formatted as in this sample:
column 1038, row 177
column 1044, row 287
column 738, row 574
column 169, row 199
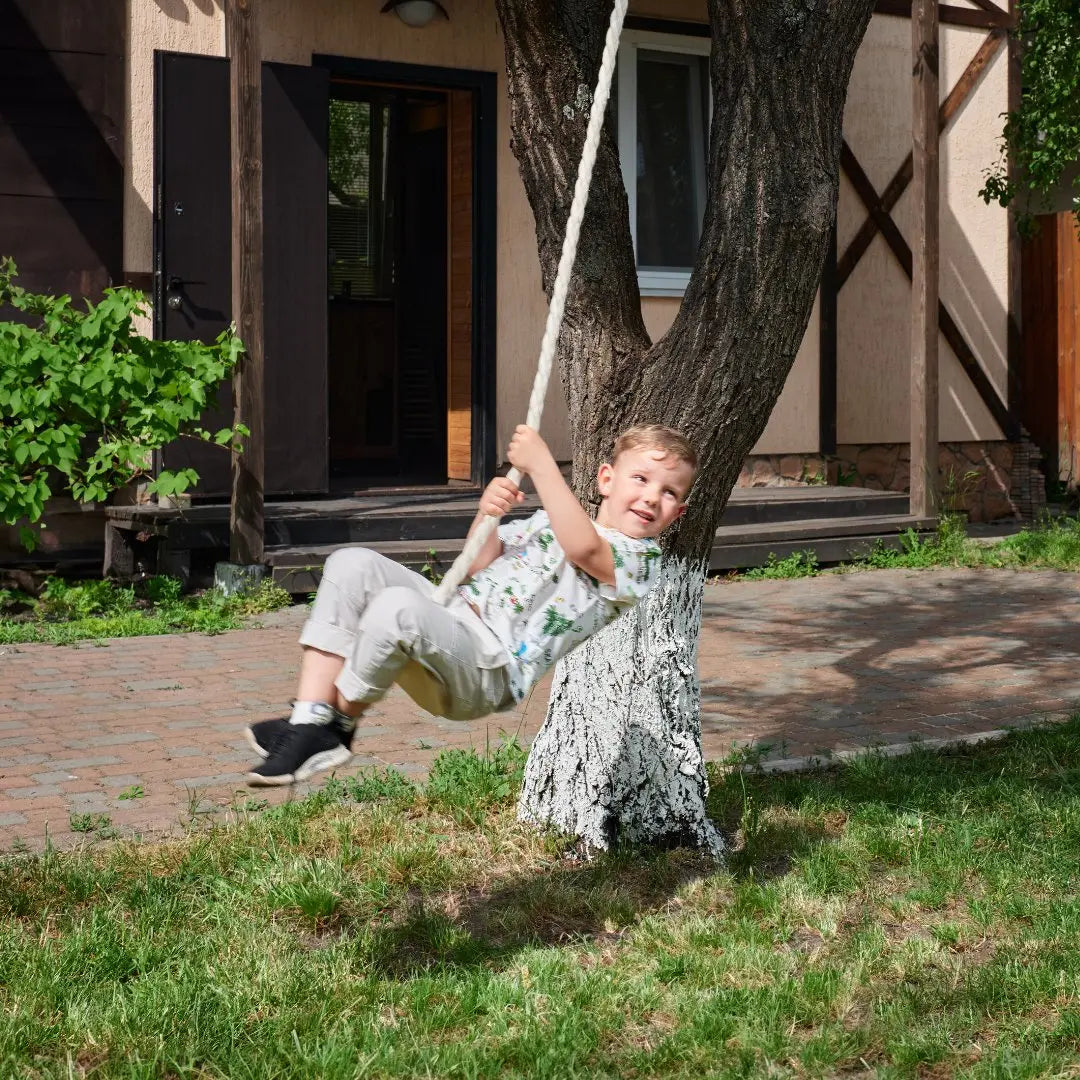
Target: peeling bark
column 779, row 73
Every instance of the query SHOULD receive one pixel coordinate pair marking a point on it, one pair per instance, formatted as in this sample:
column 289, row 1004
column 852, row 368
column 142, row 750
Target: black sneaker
column 263, row 736
column 303, row 750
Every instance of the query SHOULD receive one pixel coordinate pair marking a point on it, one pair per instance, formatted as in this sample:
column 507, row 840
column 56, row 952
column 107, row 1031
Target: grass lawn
column 892, row 917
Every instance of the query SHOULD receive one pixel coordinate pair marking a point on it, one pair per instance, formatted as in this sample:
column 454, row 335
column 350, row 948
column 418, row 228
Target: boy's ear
column 603, row 479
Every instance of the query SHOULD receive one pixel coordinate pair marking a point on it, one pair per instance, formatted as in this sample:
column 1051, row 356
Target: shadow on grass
column 776, row 824
column 567, row 904
column 778, row 819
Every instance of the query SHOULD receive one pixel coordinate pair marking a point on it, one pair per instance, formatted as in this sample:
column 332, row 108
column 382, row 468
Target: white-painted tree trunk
column 619, row 753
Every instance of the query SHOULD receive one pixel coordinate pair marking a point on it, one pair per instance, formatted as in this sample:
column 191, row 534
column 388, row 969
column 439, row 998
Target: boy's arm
column 498, row 497
column 491, row 550
column 573, row 528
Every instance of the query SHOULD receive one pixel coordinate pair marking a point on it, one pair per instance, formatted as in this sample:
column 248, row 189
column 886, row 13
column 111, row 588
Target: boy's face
column 644, row 491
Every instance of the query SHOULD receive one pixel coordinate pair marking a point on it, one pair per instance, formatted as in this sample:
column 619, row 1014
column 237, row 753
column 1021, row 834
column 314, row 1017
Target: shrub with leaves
column 1042, row 137
column 85, row 399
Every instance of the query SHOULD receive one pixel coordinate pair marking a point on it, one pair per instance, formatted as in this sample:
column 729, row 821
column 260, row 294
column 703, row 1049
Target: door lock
column 174, row 293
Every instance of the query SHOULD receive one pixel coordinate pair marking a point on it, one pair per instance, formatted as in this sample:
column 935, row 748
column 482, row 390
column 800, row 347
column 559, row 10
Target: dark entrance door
column 193, row 255
column 387, row 206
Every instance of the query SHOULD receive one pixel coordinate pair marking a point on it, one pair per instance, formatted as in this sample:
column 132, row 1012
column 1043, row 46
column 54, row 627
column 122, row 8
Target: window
column 361, row 251
column 662, row 116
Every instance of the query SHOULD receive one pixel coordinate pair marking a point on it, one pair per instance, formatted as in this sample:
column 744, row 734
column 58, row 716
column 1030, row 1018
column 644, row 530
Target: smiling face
column 644, row 490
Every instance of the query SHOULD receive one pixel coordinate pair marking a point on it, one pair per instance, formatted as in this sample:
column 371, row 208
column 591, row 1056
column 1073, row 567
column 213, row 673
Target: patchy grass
column 1053, row 545
column 798, row 564
column 77, row 611
column 893, row 917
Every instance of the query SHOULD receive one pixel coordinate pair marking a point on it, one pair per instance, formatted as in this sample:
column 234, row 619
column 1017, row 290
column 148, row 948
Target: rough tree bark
column 619, row 753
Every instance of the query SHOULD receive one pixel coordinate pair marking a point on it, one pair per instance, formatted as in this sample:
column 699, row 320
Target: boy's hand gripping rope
column 459, row 571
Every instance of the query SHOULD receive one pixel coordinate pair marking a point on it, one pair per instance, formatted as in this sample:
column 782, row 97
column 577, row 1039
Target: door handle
column 174, row 292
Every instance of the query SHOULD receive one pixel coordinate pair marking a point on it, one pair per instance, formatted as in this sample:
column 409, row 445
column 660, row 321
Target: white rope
column 460, row 570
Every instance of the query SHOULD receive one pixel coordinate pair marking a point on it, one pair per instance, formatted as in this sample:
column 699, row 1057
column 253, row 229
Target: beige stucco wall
column 874, row 306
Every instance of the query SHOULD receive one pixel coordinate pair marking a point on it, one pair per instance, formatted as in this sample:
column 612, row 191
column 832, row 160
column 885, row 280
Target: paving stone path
column 807, row 667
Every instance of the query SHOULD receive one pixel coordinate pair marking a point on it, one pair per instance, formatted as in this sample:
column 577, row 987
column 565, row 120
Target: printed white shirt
column 540, row 606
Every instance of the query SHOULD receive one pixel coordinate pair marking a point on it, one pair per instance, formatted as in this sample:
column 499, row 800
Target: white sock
column 310, row 712
column 318, row 712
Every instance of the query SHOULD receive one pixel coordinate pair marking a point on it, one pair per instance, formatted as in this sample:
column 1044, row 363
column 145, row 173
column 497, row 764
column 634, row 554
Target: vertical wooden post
column 1015, row 340
column 827, row 331
column 245, row 102
column 924, row 278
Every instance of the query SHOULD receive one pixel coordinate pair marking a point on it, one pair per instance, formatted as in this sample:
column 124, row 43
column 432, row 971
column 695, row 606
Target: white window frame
column 650, row 282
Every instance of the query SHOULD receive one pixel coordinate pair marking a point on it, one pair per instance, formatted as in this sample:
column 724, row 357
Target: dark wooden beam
column 827, row 351
column 924, row 276
column 1015, row 342
column 898, row 184
column 988, row 17
column 246, row 528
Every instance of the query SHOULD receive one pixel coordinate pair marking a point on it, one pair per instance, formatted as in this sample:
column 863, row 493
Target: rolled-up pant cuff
column 354, row 689
column 328, row 638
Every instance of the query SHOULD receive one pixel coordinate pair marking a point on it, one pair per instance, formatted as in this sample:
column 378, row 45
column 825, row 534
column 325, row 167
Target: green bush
column 85, row 399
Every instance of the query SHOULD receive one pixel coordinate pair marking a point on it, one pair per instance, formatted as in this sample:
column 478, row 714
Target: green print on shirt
column 514, row 602
column 556, row 624
column 544, row 538
column 648, row 557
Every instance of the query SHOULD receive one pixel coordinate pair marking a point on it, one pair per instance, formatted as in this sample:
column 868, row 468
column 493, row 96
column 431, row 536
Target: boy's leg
column 351, row 577
column 445, row 658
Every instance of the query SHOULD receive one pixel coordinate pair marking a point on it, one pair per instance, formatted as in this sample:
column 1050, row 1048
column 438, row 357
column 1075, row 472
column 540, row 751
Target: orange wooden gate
column 1050, row 320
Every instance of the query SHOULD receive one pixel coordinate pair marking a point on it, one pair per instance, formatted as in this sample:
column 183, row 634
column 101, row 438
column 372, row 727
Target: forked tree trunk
column 619, row 753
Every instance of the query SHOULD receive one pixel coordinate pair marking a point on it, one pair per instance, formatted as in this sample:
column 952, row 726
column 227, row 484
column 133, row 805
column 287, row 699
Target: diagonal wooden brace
column 894, row 238
column 898, row 184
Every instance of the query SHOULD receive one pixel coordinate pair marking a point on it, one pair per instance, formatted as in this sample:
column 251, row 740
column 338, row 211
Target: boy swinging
column 537, row 588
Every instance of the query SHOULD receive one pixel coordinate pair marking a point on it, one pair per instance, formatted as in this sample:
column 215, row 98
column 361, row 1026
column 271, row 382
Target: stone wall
column 987, row 480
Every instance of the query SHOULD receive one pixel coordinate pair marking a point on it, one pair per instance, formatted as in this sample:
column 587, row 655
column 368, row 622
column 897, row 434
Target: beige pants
column 384, row 621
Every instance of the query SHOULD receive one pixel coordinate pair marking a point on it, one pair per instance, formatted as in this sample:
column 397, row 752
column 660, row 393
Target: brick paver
column 808, row 667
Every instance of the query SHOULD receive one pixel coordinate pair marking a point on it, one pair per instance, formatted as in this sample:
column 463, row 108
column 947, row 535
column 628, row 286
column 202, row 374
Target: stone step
column 299, row 568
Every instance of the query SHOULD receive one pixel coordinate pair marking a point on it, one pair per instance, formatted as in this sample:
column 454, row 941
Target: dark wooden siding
column 61, row 142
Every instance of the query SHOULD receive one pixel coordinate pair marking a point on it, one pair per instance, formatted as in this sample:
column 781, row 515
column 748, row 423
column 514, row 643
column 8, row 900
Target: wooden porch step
column 423, row 517
column 298, row 569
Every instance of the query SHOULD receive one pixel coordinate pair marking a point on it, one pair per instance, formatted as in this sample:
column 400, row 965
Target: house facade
column 403, row 300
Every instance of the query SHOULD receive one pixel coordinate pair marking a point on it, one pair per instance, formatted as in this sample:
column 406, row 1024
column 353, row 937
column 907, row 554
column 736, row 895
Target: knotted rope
column 460, row 570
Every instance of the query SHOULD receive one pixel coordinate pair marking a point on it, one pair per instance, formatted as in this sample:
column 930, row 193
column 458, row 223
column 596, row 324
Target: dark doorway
column 387, row 200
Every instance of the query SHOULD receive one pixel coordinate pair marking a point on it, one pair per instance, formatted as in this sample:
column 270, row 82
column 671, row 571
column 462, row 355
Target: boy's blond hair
column 657, row 437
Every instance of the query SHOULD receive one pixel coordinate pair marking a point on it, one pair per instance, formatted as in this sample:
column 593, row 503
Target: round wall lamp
column 415, row 12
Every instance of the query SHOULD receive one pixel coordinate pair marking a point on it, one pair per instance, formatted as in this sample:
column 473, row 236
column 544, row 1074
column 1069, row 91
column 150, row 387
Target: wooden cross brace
column 879, row 206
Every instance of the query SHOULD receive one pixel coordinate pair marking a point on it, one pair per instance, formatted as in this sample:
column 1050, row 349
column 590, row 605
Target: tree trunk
column 619, row 752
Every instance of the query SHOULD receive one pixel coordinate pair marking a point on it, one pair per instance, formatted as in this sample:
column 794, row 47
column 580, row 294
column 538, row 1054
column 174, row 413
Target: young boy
column 538, row 588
